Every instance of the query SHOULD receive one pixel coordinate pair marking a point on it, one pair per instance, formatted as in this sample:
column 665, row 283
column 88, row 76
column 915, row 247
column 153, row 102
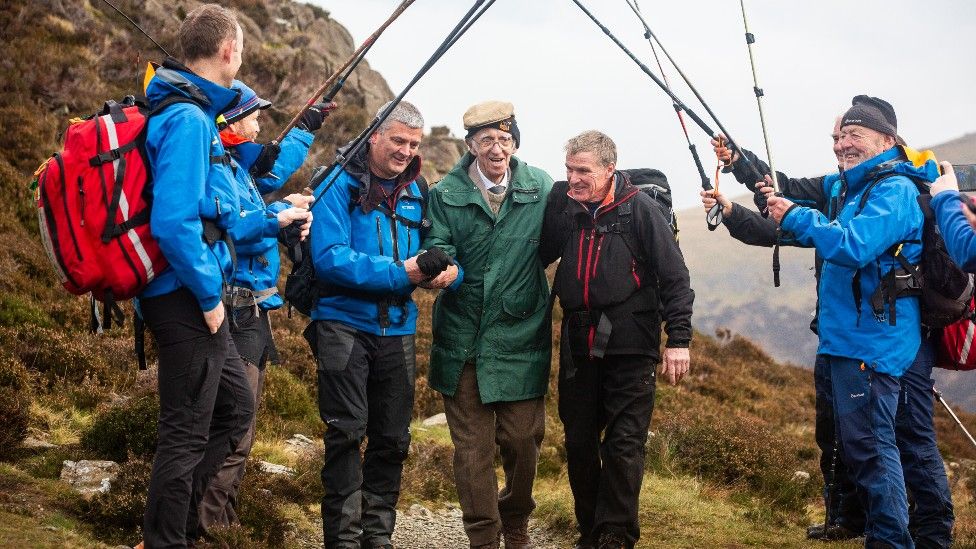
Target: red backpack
column 956, row 349
column 93, row 204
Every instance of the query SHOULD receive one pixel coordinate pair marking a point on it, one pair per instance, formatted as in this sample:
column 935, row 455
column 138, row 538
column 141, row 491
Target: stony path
column 420, row 528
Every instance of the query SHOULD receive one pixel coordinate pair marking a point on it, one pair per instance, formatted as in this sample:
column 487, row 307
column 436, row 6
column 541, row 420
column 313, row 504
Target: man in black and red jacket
column 620, row 276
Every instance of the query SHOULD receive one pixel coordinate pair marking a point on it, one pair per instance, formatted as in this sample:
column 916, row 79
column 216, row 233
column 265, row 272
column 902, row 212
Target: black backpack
column 945, row 291
column 302, row 289
column 655, row 184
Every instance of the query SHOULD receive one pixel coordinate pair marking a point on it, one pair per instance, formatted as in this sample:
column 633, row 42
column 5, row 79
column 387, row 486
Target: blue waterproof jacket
column 358, row 250
column 859, row 241
column 255, row 234
column 192, row 182
column 960, row 239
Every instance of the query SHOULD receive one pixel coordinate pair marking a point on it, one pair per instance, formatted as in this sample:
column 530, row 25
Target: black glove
column 313, row 116
column 266, row 160
column 759, row 199
column 433, row 261
column 291, row 234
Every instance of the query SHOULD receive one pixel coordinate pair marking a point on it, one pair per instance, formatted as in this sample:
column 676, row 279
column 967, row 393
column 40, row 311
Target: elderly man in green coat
column 492, row 329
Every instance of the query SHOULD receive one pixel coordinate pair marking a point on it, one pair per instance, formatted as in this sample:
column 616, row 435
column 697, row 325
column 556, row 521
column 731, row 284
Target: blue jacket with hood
column 859, row 241
column 192, row 181
column 357, row 247
column 255, row 234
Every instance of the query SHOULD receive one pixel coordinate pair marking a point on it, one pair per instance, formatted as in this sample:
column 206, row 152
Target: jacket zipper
column 379, row 235
column 81, row 193
column 217, row 201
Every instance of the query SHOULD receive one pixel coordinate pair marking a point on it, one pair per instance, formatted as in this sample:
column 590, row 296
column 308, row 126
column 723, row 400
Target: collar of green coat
column 458, row 189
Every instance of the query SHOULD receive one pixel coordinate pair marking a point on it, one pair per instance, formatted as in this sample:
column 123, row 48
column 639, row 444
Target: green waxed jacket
column 497, row 318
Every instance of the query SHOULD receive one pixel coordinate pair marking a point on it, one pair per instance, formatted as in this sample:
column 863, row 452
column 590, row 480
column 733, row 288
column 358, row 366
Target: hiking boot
column 491, row 545
column 834, row 532
column 138, row 545
column 517, row 536
column 612, row 540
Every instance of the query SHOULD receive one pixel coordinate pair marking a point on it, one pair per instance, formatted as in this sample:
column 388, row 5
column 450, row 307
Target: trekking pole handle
column 358, row 54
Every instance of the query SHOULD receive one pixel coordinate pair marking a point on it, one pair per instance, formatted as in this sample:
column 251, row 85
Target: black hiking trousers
column 205, row 408
column 366, row 390
column 613, row 397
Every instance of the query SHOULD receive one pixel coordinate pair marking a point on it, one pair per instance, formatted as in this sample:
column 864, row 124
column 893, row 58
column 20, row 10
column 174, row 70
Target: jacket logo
column 857, row 395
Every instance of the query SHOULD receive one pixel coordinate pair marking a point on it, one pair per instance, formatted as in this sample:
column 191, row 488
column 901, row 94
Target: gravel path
column 420, row 528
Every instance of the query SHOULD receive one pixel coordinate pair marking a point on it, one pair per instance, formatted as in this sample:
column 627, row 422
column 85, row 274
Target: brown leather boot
column 517, row 536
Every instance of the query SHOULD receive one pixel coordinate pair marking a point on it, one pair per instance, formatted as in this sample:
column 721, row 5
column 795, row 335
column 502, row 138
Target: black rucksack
column 655, row 184
column 302, row 289
column 945, row 291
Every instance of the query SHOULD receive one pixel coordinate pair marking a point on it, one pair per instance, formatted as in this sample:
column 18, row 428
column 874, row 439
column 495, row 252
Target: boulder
column 90, row 477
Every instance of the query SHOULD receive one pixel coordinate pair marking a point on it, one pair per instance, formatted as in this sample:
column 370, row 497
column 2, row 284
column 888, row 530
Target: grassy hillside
column 726, row 444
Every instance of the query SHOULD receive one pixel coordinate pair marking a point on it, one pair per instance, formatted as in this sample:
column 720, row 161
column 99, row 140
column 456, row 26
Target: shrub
column 15, row 400
column 285, row 396
column 738, row 450
column 124, row 430
column 71, row 357
column 117, row 514
column 428, row 473
column 261, row 509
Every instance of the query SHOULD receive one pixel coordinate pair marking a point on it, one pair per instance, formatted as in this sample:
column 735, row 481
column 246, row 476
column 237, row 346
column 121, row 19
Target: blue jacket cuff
column 457, row 281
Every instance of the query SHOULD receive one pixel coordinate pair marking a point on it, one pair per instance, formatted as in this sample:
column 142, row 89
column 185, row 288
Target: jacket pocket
column 523, row 306
column 334, row 346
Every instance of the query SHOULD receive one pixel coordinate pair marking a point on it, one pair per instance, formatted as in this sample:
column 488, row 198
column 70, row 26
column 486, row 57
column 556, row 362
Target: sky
column 565, row 76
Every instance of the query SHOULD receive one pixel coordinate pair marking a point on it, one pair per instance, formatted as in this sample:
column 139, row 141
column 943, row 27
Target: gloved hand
column 266, row 160
column 433, row 261
column 314, row 116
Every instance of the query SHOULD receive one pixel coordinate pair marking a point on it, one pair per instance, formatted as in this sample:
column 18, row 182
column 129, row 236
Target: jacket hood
column 175, row 79
column 900, row 160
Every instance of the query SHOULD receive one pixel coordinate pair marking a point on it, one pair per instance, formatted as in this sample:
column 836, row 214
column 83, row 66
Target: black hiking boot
column 584, row 543
column 612, row 540
column 834, row 532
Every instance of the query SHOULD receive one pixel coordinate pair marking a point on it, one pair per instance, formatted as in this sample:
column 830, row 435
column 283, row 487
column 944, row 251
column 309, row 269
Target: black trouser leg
column 614, row 395
column 205, row 410
column 628, row 401
column 390, row 390
column 343, row 354
column 581, row 412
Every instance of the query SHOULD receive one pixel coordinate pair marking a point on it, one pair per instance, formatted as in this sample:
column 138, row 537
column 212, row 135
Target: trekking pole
column 342, row 159
column 938, row 396
column 713, row 218
column 162, row 49
column 356, row 57
column 750, row 40
column 829, row 500
column 731, row 142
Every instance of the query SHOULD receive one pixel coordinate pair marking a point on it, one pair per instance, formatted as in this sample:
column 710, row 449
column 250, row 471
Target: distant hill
column 734, row 288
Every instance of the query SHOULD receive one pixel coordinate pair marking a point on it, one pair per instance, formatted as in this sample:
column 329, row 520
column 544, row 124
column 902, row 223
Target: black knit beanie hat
column 871, row 112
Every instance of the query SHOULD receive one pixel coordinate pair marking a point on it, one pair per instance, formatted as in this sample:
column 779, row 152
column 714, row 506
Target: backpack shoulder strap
column 170, row 101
